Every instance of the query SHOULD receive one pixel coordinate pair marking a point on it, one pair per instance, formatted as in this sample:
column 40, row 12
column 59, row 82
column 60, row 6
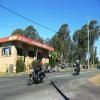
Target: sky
column 50, row 13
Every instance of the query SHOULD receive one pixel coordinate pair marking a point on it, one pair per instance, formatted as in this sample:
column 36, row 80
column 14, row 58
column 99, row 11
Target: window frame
column 5, row 52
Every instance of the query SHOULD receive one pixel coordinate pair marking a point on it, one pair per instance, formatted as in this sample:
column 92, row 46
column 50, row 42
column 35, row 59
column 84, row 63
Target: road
column 78, row 88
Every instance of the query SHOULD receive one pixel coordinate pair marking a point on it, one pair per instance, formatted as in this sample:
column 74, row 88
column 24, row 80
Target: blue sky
column 50, row 13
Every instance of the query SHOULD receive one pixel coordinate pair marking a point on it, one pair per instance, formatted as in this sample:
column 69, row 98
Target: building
column 17, row 46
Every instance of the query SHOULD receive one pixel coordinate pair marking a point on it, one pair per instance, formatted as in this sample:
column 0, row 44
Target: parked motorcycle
column 35, row 78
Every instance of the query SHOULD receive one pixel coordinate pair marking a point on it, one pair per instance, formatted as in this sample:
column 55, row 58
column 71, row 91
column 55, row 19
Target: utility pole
column 99, row 48
column 94, row 54
column 88, row 45
column 99, row 54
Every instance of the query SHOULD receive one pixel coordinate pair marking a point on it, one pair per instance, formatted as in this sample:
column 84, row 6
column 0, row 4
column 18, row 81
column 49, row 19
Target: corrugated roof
column 26, row 40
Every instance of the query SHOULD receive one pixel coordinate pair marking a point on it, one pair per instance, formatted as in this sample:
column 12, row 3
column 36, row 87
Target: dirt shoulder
column 95, row 80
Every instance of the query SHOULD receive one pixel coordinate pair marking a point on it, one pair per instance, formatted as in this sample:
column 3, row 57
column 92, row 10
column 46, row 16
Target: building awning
column 27, row 41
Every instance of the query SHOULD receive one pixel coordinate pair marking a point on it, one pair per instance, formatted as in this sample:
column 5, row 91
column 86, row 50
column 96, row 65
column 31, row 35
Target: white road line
column 23, row 81
column 59, row 76
column 50, row 77
column 87, row 71
column 16, row 75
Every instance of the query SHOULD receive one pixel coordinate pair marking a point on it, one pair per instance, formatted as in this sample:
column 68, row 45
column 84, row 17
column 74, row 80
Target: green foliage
column 34, row 63
column 53, row 59
column 47, row 41
column 61, row 41
column 81, row 39
column 18, row 31
column 46, row 65
column 20, row 66
column 63, row 44
column 29, row 32
column 96, row 60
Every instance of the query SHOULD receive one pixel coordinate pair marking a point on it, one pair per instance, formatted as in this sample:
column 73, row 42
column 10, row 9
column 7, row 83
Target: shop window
column 6, row 51
column 31, row 53
column 19, row 52
column 39, row 56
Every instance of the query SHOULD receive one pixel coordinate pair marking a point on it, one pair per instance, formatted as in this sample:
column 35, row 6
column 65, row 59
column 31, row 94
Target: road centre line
column 59, row 76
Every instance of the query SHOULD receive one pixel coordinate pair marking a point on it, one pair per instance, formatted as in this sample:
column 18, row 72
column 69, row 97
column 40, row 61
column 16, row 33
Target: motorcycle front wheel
column 29, row 81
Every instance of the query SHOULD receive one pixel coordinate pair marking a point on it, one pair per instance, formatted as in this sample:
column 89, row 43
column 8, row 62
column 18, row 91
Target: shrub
column 20, row 66
column 52, row 61
column 46, row 65
column 34, row 63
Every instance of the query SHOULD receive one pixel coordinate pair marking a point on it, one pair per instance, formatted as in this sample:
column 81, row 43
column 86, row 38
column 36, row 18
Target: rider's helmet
column 77, row 61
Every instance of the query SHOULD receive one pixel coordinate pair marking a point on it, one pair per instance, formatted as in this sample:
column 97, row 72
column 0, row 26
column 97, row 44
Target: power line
column 25, row 18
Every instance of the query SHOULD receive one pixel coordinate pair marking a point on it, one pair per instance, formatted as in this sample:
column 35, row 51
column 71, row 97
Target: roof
column 26, row 40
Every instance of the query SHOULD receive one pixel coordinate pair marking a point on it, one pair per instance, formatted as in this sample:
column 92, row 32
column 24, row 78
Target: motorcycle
column 76, row 70
column 35, row 78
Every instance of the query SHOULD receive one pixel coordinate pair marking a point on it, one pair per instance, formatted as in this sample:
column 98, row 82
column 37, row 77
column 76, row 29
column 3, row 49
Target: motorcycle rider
column 38, row 69
column 76, row 68
column 37, row 74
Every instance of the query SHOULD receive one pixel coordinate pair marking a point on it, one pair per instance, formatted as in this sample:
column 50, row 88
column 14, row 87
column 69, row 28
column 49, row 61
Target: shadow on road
column 61, row 93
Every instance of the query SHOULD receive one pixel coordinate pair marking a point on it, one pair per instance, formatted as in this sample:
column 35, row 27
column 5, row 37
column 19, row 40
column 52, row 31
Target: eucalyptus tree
column 81, row 38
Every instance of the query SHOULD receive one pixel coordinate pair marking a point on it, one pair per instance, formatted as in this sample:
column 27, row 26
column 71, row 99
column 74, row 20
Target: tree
column 64, row 42
column 18, row 31
column 47, row 41
column 81, row 38
column 39, row 38
column 29, row 32
column 94, row 32
column 61, row 41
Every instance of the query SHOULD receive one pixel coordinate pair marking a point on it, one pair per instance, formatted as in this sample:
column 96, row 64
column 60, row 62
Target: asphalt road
column 78, row 88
